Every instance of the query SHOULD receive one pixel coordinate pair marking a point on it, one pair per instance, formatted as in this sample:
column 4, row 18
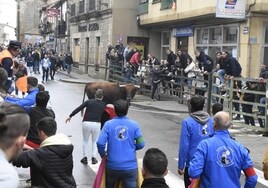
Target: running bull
column 112, row 91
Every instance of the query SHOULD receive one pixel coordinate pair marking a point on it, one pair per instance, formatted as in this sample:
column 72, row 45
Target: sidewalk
column 144, row 102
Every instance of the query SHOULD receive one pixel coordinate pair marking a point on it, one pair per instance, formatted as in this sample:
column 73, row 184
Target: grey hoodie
column 201, row 117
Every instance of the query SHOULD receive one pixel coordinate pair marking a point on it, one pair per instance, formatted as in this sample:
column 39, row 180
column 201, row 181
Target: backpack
column 238, row 68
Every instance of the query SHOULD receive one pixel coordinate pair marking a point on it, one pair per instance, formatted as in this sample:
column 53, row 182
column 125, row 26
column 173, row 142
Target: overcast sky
column 8, row 14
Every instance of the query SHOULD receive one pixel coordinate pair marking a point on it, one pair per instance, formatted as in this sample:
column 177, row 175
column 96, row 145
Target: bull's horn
column 122, row 85
column 137, row 86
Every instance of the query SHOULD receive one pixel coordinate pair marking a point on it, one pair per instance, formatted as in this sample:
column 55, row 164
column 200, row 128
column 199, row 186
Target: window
column 77, row 42
column 215, row 35
column 165, row 38
column 213, row 39
column 230, row 34
column 165, row 44
column 166, row 4
column 73, row 10
column 202, row 36
column 81, row 6
column 265, row 46
column 92, row 5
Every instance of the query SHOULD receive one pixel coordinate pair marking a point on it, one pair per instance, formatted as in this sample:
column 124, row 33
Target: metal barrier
column 232, row 100
column 115, row 72
column 175, row 87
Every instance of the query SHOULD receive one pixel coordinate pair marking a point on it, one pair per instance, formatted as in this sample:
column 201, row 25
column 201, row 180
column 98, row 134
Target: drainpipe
column 68, row 26
column 250, row 51
column 18, row 20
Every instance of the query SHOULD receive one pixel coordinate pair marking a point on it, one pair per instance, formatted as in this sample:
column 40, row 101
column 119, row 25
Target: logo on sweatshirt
column 225, row 156
column 204, row 130
column 121, row 133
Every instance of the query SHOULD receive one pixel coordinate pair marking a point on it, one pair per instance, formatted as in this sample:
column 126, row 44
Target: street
column 160, row 129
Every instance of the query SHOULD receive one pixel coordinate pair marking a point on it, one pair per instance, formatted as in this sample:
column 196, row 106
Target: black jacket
column 51, row 164
column 154, row 183
column 69, row 60
column 264, row 74
column 36, row 113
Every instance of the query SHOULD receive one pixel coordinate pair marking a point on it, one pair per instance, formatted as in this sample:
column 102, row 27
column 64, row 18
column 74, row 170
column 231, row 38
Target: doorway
column 183, row 44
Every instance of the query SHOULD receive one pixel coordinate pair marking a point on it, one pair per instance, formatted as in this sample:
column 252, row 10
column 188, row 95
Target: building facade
column 28, row 17
column 94, row 24
column 192, row 24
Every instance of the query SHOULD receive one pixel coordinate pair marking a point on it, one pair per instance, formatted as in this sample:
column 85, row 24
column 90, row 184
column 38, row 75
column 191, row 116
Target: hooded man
column 195, row 128
column 52, row 163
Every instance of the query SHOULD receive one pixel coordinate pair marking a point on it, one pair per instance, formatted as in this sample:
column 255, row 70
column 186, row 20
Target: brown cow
column 112, row 91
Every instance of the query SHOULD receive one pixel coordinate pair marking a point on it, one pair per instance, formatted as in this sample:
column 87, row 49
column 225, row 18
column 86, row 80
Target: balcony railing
column 166, row 4
column 143, row 8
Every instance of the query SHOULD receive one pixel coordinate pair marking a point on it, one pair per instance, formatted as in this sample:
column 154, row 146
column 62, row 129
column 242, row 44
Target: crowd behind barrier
column 175, row 86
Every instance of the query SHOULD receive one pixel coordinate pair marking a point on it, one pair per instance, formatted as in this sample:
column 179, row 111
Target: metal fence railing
column 175, row 87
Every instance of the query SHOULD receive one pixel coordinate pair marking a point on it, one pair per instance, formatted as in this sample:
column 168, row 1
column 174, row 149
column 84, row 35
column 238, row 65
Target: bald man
column 222, row 158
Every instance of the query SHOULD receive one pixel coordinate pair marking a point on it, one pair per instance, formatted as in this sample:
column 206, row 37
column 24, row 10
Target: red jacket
column 110, row 111
column 135, row 58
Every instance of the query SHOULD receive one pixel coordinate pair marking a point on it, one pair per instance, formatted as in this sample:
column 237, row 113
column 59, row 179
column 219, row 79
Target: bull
column 112, row 91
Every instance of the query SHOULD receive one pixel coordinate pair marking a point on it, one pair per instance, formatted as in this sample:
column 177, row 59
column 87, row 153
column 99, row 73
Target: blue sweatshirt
column 123, row 137
column 197, row 127
column 25, row 102
column 221, row 159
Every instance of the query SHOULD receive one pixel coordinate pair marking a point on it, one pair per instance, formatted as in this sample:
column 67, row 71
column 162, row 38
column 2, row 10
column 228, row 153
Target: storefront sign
column 90, row 27
column 183, row 31
column 82, row 28
column 230, row 8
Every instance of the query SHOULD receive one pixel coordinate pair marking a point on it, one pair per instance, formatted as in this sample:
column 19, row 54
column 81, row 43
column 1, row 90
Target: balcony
column 143, row 8
column 60, row 30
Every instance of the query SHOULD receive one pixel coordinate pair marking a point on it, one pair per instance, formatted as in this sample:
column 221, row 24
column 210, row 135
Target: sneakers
column 225, row 95
column 84, row 160
column 94, row 160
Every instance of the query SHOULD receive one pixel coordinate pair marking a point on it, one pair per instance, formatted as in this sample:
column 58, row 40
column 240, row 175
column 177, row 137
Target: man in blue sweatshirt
column 195, row 128
column 218, row 161
column 123, row 137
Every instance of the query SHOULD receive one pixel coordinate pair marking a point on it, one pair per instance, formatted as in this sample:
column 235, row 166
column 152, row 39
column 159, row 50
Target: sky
column 8, row 14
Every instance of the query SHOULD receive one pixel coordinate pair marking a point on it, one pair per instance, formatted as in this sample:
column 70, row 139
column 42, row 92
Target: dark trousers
column 248, row 109
column 135, row 67
column 186, row 178
column 128, row 177
column 262, row 111
column 45, row 73
column 155, row 86
column 52, row 72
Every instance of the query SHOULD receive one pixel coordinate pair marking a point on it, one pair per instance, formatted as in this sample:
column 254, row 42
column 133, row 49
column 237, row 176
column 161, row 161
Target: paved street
column 159, row 120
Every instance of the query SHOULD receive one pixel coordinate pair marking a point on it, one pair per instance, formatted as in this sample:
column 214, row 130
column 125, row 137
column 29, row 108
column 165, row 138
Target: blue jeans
column 221, row 74
column 190, row 83
column 69, row 68
column 131, row 80
column 36, row 67
column 128, row 177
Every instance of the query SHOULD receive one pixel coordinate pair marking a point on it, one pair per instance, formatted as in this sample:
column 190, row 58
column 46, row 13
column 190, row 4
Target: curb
column 144, row 106
column 73, row 81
